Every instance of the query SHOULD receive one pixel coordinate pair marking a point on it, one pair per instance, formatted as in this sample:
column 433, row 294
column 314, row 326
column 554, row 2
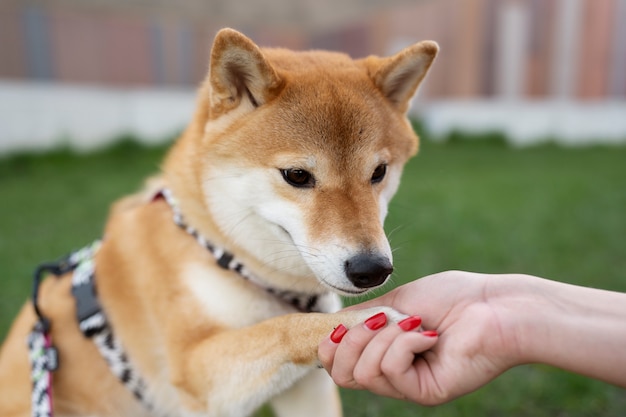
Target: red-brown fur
column 259, row 110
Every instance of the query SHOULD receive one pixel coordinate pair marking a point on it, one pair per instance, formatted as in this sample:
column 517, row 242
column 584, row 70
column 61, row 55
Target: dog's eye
column 298, row 178
column 379, row 173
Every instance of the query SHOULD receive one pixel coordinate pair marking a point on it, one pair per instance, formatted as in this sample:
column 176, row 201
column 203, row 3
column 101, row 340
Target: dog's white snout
column 367, row 270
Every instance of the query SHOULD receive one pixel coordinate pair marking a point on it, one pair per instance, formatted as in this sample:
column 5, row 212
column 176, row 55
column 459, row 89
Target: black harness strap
column 43, row 355
column 92, row 323
column 57, row 269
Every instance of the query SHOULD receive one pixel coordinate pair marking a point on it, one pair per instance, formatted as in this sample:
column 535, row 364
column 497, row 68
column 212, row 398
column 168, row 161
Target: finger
column 399, row 362
column 367, row 371
column 351, row 347
column 327, row 348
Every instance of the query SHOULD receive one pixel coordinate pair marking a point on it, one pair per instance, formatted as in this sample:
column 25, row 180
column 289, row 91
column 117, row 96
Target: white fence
column 39, row 116
column 530, row 122
column 36, row 116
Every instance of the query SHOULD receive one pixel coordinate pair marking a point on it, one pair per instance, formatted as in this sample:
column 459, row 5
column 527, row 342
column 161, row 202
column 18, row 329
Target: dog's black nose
column 366, row 270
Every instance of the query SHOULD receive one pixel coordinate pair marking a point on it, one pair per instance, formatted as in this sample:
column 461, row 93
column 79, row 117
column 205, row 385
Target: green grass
column 54, row 203
column 547, row 211
column 478, row 205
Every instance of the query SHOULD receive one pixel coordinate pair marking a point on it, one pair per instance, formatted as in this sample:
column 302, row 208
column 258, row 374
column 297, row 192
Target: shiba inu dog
column 212, row 287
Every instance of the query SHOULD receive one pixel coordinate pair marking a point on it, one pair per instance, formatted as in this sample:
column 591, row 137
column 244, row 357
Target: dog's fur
column 208, row 342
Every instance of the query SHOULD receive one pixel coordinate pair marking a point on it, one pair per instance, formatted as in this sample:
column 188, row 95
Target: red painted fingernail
column 410, row 323
column 338, row 334
column 376, row 321
column 430, row 333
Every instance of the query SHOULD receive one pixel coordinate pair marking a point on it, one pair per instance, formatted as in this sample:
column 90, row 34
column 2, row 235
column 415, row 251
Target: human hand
column 473, row 343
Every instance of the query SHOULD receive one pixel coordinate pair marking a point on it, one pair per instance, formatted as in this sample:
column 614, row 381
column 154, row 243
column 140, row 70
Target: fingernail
column 338, row 334
column 410, row 323
column 430, row 333
column 376, row 321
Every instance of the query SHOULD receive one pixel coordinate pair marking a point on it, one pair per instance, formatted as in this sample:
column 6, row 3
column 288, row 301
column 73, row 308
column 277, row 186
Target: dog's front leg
column 233, row 372
column 314, row 395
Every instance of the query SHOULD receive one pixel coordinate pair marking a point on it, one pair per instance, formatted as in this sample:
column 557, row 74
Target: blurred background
column 522, row 166
column 535, row 69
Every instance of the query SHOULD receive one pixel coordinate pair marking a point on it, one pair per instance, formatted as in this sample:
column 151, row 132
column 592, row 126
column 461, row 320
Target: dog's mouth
column 353, row 291
column 344, row 291
column 285, row 231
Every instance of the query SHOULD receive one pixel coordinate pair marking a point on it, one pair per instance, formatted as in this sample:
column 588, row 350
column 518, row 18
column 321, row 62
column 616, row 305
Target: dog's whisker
column 282, row 188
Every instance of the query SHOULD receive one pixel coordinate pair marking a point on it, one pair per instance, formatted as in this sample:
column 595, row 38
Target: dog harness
column 303, row 302
column 93, row 322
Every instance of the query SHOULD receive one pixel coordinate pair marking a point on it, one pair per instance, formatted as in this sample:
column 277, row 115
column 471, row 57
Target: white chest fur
column 234, row 302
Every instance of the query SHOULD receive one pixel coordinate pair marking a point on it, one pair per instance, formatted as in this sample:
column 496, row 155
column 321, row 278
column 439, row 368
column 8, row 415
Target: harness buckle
column 87, row 304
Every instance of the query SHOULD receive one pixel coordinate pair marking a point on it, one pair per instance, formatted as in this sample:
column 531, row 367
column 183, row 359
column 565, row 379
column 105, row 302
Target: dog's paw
column 359, row 316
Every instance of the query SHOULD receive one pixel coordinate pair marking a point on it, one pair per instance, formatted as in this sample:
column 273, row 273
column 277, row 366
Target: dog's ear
column 239, row 72
column 399, row 76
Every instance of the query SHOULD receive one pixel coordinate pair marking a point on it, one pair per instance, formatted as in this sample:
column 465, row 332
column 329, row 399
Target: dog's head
column 301, row 153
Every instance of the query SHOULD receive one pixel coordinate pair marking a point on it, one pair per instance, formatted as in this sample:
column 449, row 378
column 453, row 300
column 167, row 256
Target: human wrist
column 574, row 328
column 521, row 305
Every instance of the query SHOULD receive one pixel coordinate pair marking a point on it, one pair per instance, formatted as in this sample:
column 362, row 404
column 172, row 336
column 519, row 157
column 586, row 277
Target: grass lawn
column 557, row 213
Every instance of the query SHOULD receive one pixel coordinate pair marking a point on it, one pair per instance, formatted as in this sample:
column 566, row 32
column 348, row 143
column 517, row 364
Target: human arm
column 486, row 324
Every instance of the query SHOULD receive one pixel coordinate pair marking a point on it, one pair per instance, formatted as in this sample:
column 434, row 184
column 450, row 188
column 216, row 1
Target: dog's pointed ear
column 239, row 73
column 399, row 76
